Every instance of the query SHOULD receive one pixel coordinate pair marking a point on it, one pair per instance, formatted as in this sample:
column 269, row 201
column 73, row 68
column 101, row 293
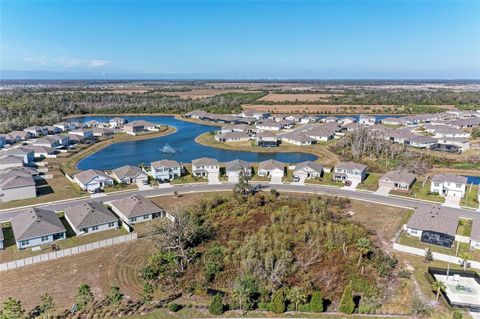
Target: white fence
column 67, row 252
column 436, row 256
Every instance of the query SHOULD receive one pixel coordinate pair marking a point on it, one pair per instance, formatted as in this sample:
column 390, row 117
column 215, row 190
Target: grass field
column 285, row 97
column 470, row 199
column 370, row 183
column 197, row 94
column 420, row 192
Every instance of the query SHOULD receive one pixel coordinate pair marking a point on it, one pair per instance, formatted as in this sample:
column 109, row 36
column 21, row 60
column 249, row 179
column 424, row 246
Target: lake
column 182, row 142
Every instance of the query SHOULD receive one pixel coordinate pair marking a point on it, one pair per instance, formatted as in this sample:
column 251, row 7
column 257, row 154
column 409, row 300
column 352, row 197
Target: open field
column 308, row 97
column 197, row 94
column 325, row 156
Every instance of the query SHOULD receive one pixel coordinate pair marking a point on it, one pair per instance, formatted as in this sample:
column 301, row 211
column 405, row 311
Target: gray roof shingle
column 135, row 205
column 89, row 214
column 36, row 222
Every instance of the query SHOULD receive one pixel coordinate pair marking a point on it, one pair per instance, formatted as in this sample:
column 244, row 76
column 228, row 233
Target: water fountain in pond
column 167, row 149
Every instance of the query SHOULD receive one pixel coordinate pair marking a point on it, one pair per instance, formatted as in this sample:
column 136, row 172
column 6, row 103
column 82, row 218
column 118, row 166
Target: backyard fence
column 436, row 256
column 67, row 252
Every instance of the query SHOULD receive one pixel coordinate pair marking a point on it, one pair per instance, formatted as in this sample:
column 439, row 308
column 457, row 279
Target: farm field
column 308, row 97
column 203, row 93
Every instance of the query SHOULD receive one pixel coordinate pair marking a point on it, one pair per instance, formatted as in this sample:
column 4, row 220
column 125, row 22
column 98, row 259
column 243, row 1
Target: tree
column 147, row 292
column 84, row 296
column 245, row 291
column 465, row 259
column 364, row 246
column 12, row 309
column 242, row 187
column 438, row 287
column 347, row 305
column 297, row 296
column 114, row 297
column 278, row 302
column 216, row 306
column 316, row 302
column 47, row 305
column 428, row 255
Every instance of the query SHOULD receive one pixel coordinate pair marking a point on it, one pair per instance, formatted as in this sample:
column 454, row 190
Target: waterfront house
column 269, row 126
column 329, row 119
column 117, row 122
column 130, row 174
column 236, row 168
column 346, row 120
column 15, row 187
column 36, row 131
column 232, row 137
column 47, row 142
column 272, row 168
column 64, row 126
column 242, row 128
column 397, row 179
column 367, row 120
column 197, row 114
column 435, row 225
column 100, row 131
column 308, row 170
column 266, row 139
column 350, row 171
column 83, row 133
column 92, row 180
column 136, row 208
column 136, row 127
column 202, row 167
column 308, row 119
column 166, row 170
column 448, row 185
column 36, row 226
column 258, row 115
column 297, row 139
column 90, row 217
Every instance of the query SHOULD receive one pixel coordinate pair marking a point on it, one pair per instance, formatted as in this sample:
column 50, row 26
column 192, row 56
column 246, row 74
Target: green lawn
column 464, row 227
column 420, row 192
column 370, row 183
column 470, row 199
column 325, row 180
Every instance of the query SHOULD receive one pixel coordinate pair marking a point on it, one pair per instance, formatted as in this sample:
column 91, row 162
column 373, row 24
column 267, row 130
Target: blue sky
column 228, row 39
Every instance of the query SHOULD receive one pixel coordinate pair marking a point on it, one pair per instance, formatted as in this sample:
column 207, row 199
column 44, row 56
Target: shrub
column 346, row 303
column 278, row 302
column 316, row 302
column 264, row 306
column 174, row 307
column 216, row 306
column 405, row 274
column 457, row 315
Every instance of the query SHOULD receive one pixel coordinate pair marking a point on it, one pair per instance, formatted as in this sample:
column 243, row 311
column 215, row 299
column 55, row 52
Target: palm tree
column 438, row 287
column 465, row 258
column 297, row 296
column 364, row 246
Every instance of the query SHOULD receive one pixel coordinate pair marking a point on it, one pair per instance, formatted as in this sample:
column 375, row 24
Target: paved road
column 196, row 188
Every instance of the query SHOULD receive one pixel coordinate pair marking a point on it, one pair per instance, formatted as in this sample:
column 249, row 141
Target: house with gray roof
column 202, row 167
column 236, row 168
column 166, row 170
column 90, row 217
column 297, row 139
column 350, row 171
column 10, row 161
column 129, row 174
column 26, row 153
column 136, row 208
column 308, row 170
column 15, row 187
column 92, row 180
column 37, row 226
column 36, row 130
column 475, row 234
column 271, row 167
column 397, row 179
column 448, row 185
column 232, row 137
column 435, row 225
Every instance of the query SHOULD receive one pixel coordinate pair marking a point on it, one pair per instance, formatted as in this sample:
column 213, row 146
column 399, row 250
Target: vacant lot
column 203, row 93
column 307, row 97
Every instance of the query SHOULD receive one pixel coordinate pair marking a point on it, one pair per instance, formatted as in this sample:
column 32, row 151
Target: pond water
column 180, row 146
column 473, row 180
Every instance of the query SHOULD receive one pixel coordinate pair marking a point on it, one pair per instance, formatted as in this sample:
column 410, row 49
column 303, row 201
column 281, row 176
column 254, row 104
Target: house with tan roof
column 37, row 226
column 397, row 179
column 136, row 208
column 90, row 217
column 271, row 167
column 232, row 137
column 129, row 174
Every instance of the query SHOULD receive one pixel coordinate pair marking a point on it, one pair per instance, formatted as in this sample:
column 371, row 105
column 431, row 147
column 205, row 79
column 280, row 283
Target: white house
column 475, row 234
column 36, row 226
column 64, row 126
column 269, row 126
column 117, row 122
column 367, row 120
column 308, row 170
column 136, row 208
column 166, row 170
column 130, row 174
column 25, row 153
column 232, row 137
column 203, row 167
column 92, row 180
column 448, row 185
column 297, row 139
column 81, row 132
column 271, row 168
column 236, row 168
column 47, row 142
column 90, row 217
column 140, row 126
column 350, row 171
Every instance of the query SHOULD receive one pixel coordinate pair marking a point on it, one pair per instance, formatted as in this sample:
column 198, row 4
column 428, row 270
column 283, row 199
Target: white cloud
column 67, row 62
column 98, row 63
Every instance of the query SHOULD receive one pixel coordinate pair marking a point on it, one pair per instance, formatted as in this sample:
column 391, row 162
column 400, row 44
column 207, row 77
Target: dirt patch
column 203, row 93
column 308, row 97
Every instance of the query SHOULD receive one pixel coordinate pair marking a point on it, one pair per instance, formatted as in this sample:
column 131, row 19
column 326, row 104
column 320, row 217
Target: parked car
column 348, row 183
column 296, row 179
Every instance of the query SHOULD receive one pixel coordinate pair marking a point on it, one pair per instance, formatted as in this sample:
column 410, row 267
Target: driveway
column 233, row 178
column 213, row 178
column 383, row 190
column 452, row 201
column 352, row 187
column 276, row 180
column 301, row 181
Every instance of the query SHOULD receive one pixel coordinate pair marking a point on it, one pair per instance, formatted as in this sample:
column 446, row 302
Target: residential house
column 321, row 133
column 308, row 119
column 10, row 161
column 232, row 137
column 202, row 167
column 475, row 234
column 197, row 114
column 15, row 187
column 297, row 139
column 136, row 208
column 269, row 126
column 259, row 115
column 130, row 174
column 36, row 131
column 100, row 131
column 166, row 170
column 367, row 120
column 90, row 217
column 266, row 139
column 346, row 120
column 65, row 126
column 397, row 179
column 92, row 180
column 448, row 185
column 136, row 127
column 47, row 142
column 25, row 153
column 44, row 152
column 350, row 171
column 272, row 168
column 449, row 132
column 241, row 128
column 117, row 122
column 308, row 170
column 329, row 119
column 53, row 129
column 420, row 141
column 236, row 168
column 82, row 133
column 37, row 226
column 17, row 136
column 435, row 225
